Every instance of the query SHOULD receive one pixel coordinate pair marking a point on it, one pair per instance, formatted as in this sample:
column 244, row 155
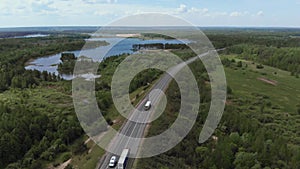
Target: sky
column 237, row 13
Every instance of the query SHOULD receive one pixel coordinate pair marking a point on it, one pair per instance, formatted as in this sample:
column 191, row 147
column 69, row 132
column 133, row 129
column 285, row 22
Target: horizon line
column 208, row 26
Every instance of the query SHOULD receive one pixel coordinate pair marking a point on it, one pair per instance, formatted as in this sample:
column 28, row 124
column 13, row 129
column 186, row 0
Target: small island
column 68, row 61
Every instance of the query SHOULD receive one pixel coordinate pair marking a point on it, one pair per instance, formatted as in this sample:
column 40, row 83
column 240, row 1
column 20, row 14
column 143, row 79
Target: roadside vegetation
column 259, row 128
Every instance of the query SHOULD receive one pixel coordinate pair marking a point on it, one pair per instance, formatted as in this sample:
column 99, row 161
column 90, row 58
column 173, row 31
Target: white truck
column 123, row 159
column 147, row 105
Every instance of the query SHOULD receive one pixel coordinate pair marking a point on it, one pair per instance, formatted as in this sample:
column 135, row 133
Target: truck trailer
column 123, row 159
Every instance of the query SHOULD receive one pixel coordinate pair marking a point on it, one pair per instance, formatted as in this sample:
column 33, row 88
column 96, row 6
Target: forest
column 285, row 58
column 33, row 128
column 259, row 128
column 16, row 52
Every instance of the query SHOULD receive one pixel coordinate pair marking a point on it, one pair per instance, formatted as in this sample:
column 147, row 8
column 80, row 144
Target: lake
column 116, row 46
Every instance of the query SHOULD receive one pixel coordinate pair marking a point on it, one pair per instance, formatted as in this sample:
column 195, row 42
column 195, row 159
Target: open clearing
column 282, row 88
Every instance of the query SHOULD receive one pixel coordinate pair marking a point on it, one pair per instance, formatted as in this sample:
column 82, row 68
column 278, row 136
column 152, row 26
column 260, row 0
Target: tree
column 239, row 64
column 259, row 66
column 235, row 138
column 296, row 160
column 223, row 155
column 244, row 160
column 259, row 141
column 202, row 152
column 67, row 57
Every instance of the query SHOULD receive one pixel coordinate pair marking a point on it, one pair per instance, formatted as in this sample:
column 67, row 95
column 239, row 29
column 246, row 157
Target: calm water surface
column 117, row 46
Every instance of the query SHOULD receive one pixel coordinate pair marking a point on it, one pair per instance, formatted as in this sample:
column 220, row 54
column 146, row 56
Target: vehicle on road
column 112, row 161
column 123, row 159
column 147, row 105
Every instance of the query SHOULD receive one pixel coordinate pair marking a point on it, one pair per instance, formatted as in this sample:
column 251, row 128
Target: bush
column 55, row 164
column 47, row 156
column 109, row 121
column 69, row 166
column 229, row 90
column 239, row 64
column 66, row 157
column 260, row 66
column 36, row 165
column 79, row 148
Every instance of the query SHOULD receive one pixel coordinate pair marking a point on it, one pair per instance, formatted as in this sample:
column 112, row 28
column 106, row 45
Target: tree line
column 283, row 58
column 137, row 47
column 14, row 53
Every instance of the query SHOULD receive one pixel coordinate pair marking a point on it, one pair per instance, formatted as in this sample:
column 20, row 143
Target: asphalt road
column 136, row 130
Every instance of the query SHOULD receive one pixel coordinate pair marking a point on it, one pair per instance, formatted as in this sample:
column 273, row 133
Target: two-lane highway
column 136, row 124
column 134, row 129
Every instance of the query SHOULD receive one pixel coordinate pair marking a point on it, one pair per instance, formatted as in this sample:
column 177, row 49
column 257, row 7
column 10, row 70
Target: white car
column 112, row 161
column 147, row 106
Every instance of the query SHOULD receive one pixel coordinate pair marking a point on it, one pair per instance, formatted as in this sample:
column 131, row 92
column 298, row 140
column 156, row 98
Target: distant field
column 285, row 91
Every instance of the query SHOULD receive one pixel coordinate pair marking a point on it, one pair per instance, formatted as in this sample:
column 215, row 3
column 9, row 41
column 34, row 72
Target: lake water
column 117, row 46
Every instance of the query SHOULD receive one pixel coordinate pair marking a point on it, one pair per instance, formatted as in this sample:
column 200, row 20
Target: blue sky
column 258, row 13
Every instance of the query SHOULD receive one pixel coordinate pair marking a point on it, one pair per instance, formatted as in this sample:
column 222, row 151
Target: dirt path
column 271, row 82
column 63, row 165
column 86, row 141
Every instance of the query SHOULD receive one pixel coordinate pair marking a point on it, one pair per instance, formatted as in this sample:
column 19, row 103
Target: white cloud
column 260, row 13
column 216, row 14
column 112, row 1
column 101, row 12
column 40, row 1
column 198, row 10
column 235, row 14
column 182, row 8
column 238, row 14
column 99, row 1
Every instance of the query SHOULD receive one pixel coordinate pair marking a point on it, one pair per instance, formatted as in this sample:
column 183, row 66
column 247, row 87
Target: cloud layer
column 101, row 12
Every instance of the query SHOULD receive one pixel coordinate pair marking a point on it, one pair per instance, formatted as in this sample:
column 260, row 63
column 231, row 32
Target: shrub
column 239, row 64
column 69, row 166
column 260, row 66
column 229, row 90
column 55, row 164
column 66, row 157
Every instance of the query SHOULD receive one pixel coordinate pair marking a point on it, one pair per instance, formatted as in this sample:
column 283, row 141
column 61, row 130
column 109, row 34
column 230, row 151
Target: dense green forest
column 280, row 49
column 286, row 58
column 39, row 123
column 16, row 52
column 259, row 128
column 34, row 126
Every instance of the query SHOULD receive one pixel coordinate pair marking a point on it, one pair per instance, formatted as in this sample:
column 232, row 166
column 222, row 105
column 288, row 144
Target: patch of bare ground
column 228, row 102
column 63, row 165
column 271, row 82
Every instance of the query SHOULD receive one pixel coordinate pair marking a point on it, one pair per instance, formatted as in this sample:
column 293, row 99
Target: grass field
column 269, row 95
column 246, row 81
